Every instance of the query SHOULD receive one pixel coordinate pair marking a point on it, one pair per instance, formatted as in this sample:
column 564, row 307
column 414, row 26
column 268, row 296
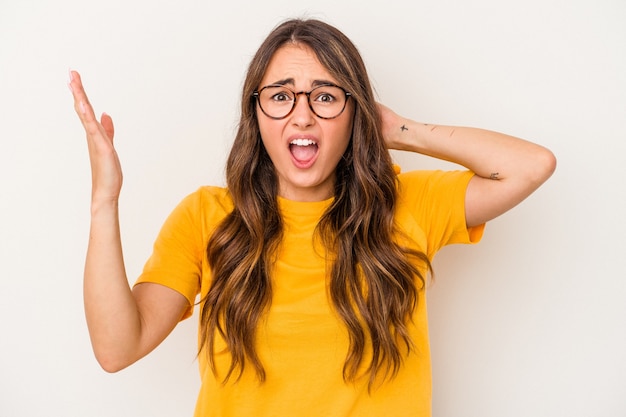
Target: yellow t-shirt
column 301, row 342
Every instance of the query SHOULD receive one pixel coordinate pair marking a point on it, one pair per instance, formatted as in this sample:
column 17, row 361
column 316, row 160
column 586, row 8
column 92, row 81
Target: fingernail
column 69, row 84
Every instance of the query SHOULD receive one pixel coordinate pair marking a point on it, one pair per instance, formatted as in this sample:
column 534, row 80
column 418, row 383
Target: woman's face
column 304, row 148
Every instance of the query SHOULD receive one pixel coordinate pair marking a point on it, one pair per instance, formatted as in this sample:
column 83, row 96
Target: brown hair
column 374, row 283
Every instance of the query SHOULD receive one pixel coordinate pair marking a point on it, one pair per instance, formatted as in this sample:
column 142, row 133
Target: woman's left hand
column 392, row 125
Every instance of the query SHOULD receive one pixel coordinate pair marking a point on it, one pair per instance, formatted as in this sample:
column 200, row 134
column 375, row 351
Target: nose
column 302, row 115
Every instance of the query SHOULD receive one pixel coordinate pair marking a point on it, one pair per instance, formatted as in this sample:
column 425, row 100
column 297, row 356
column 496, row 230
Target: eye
column 327, row 95
column 280, row 95
column 324, row 96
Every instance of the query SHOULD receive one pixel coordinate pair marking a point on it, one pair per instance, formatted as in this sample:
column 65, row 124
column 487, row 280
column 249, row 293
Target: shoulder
column 201, row 209
column 208, row 198
column 432, row 182
column 212, row 196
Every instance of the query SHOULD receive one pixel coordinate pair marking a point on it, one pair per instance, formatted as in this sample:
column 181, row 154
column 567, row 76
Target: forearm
column 507, row 169
column 488, row 154
column 111, row 310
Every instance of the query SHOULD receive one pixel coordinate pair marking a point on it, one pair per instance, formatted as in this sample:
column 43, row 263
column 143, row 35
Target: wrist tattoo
column 403, row 128
column 494, row 176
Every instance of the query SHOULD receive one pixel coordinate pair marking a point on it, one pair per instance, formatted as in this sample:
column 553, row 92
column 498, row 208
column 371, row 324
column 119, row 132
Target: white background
column 530, row 322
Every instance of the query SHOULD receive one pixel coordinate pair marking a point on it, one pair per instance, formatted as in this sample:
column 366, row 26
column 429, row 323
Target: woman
column 311, row 263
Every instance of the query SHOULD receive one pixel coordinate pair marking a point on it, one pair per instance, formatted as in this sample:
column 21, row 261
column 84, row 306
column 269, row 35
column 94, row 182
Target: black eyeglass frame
column 257, row 95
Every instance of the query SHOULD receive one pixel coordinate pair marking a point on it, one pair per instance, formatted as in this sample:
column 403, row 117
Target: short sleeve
column 176, row 259
column 436, row 202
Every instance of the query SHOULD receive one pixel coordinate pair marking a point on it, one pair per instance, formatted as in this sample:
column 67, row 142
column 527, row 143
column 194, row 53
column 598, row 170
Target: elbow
column 110, row 368
column 544, row 166
column 110, row 362
column 549, row 163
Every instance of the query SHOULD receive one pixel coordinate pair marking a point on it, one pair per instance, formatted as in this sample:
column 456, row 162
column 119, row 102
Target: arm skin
column 507, row 169
column 124, row 324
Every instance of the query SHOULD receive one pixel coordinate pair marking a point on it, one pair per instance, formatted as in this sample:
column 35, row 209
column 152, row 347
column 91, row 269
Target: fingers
column 78, row 92
column 85, row 111
column 81, row 104
column 107, row 124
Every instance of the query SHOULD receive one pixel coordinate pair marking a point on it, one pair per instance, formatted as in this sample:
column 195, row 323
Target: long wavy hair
column 373, row 282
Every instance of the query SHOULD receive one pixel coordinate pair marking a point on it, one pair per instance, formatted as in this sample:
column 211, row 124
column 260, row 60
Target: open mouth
column 303, row 151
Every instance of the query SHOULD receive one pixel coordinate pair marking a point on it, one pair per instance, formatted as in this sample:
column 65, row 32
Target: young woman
column 311, row 264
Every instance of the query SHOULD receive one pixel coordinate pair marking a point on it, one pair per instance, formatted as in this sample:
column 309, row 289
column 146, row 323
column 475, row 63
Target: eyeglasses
column 278, row 101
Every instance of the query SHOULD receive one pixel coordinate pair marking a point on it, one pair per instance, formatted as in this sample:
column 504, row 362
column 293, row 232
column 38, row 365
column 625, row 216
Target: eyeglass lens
column 326, row 101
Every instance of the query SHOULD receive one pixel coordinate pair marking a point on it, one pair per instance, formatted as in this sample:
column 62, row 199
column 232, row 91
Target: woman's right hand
column 124, row 325
column 106, row 171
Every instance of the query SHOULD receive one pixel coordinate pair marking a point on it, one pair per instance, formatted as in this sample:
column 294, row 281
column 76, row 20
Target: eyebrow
column 291, row 81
